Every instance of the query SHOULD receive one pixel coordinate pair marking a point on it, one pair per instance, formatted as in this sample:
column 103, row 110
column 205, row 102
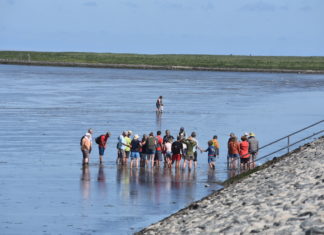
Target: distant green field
column 206, row 61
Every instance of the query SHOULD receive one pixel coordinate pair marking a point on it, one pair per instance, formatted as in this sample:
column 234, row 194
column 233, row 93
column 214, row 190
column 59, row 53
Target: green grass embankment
column 223, row 62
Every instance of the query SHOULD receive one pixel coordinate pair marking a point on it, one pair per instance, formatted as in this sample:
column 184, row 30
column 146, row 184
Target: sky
column 249, row 27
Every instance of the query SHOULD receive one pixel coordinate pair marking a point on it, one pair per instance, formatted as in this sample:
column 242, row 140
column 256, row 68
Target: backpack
column 176, row 147
column 151, row 143
column 81, row 140
column 98, row 139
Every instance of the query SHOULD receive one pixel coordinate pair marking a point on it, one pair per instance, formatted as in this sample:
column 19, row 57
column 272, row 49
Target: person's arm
column 198, row 147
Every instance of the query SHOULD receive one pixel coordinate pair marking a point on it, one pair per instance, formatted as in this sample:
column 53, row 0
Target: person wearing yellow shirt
column 128, row 144
column 216, row 145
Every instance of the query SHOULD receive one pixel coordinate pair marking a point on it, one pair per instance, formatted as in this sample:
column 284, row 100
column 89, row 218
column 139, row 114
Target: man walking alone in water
column 159, row 105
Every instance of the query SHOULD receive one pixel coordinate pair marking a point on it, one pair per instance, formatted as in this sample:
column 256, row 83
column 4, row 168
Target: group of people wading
column 151, row 150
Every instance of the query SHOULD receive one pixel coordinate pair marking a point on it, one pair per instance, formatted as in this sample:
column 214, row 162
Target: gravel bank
column 285, row 198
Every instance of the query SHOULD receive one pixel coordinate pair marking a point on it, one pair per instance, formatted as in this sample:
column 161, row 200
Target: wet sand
column 285, row 198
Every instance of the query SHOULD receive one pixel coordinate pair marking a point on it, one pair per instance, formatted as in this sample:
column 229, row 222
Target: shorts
column 189, row 157
column 121, row 153
column 211, row 159
column 245, row 160
column 143, row 156
column 195, row 156
column 158, row 156
column 176, row 157
column 135, row 155
column 101, row 151
column 127, row 153
column 85, row 153
column 150, row 151
column 168, row 155
column 233, row 155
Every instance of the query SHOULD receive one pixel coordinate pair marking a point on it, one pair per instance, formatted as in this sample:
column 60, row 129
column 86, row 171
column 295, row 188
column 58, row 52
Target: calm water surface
column 45, row 110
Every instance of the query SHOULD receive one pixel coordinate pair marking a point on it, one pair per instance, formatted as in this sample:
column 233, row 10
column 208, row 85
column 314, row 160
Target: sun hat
column 136, row 137
column 252, row 134
column 246, row 134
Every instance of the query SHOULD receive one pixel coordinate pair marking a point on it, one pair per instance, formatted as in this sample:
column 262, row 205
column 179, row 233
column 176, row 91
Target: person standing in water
column 177, row 149
column 216, row 145
column 121, row 148
column 190, row 151
column 158, row 150
column 193, row 135
column 233, row 151
column 135, row 149
column 128, row 141
column 211, row 154
column 182, row 133
column 253, row 149
column 102, row 143
column 151, row 146
column 159, row 104
column 86, row 148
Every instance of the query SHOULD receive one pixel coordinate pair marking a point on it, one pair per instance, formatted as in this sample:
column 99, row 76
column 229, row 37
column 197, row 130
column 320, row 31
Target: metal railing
column 289, row 144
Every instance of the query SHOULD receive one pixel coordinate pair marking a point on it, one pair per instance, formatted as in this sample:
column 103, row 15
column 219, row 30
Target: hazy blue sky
column 267, row 27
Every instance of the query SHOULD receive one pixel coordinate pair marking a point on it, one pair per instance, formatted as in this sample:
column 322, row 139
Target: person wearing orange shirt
column 216, row 145
column 233, row 152
column 244, row 153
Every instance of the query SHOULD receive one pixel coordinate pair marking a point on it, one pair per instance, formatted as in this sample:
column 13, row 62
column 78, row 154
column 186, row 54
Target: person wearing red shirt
column 244, row 153
column 158, row 150
column 102, row 145
column 233, row 152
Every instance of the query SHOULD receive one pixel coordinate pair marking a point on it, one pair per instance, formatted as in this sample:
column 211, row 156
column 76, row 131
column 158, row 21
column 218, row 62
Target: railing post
column 288, row 142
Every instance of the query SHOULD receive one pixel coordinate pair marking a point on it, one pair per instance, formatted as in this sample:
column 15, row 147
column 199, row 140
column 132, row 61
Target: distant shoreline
column 154, row 67
column 230, row 63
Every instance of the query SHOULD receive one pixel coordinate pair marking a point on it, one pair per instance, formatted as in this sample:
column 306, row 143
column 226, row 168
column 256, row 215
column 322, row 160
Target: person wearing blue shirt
column 211, row 154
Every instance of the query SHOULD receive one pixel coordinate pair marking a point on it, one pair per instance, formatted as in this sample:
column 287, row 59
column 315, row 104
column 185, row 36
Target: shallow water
column 45, row 110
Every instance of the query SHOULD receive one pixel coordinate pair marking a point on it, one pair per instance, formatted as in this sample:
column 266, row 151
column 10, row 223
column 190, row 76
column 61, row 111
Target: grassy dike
column 184, row 62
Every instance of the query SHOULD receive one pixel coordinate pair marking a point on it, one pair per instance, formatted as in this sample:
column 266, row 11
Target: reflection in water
column 232, row 172
column 85, row 182
column 102, row 180
column 101, row 173
column 159, row 120
column 211, row 176
column 154, row 183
